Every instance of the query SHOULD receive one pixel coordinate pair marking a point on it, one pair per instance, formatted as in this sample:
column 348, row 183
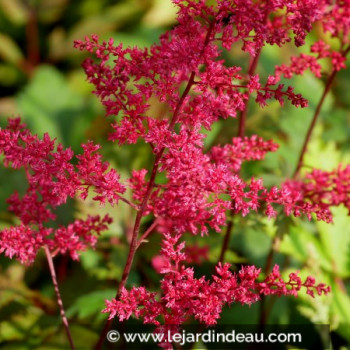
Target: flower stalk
column 58, row 296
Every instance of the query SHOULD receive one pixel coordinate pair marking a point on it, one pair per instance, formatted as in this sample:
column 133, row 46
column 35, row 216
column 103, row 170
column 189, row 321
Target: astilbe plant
column 200, row 189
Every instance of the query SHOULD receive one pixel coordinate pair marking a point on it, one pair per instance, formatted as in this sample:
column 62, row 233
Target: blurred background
column 41, row 80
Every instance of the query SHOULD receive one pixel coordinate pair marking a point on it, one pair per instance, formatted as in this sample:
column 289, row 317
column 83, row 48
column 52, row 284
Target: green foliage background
column 42, row 81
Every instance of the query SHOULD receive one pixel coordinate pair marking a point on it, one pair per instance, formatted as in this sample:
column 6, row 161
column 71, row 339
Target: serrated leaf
column 335, row 240
column 303, row 246
column 340, row 309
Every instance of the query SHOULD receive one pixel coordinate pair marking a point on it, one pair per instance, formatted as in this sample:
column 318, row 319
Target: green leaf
column 304, row 246
column 9, row 50
column 14, row 10
column 91, row 303
column 162, row 13
column 335, row 240
column 49, row 105
column 104, row 22
column 340, row 310
column 51, row 10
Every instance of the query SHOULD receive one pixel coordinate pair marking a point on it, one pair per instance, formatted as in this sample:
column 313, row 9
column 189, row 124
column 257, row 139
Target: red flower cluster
column 188, row 189
column 23, row 242
column 52, row 178
column 137, row 75
column 335, row 20
column 248, row 148
column 300, row 64
column 201, row 188
column 184, row 296
column 324, row 189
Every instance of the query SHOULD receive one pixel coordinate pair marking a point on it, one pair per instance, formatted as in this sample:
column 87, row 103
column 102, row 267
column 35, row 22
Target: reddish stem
column 58, row 296
column 241, row 131
column 33, row 39
column 227, row 237
column 265, row 311
column 147, row 232
column 243, row 114
column 316, row 114
column 313, row 123
column 134, row 206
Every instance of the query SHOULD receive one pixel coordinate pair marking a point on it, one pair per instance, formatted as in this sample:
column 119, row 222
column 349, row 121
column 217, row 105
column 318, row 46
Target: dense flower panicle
column 52, row 178
column 79, row 235
column 183, row 296
column 94, row 172
column 324, row 189
column 270, row 22
column 201, row 188
column 192, row 191
column 215, row 96
column 173, row 250
column 300, row 64
column 224, row 92
column 184, row 71
column 126, row 85
column 138, row 184
column 163, row 68
column 248, row 148
column 22, row 242
column 335, row 20
column 193, row 197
